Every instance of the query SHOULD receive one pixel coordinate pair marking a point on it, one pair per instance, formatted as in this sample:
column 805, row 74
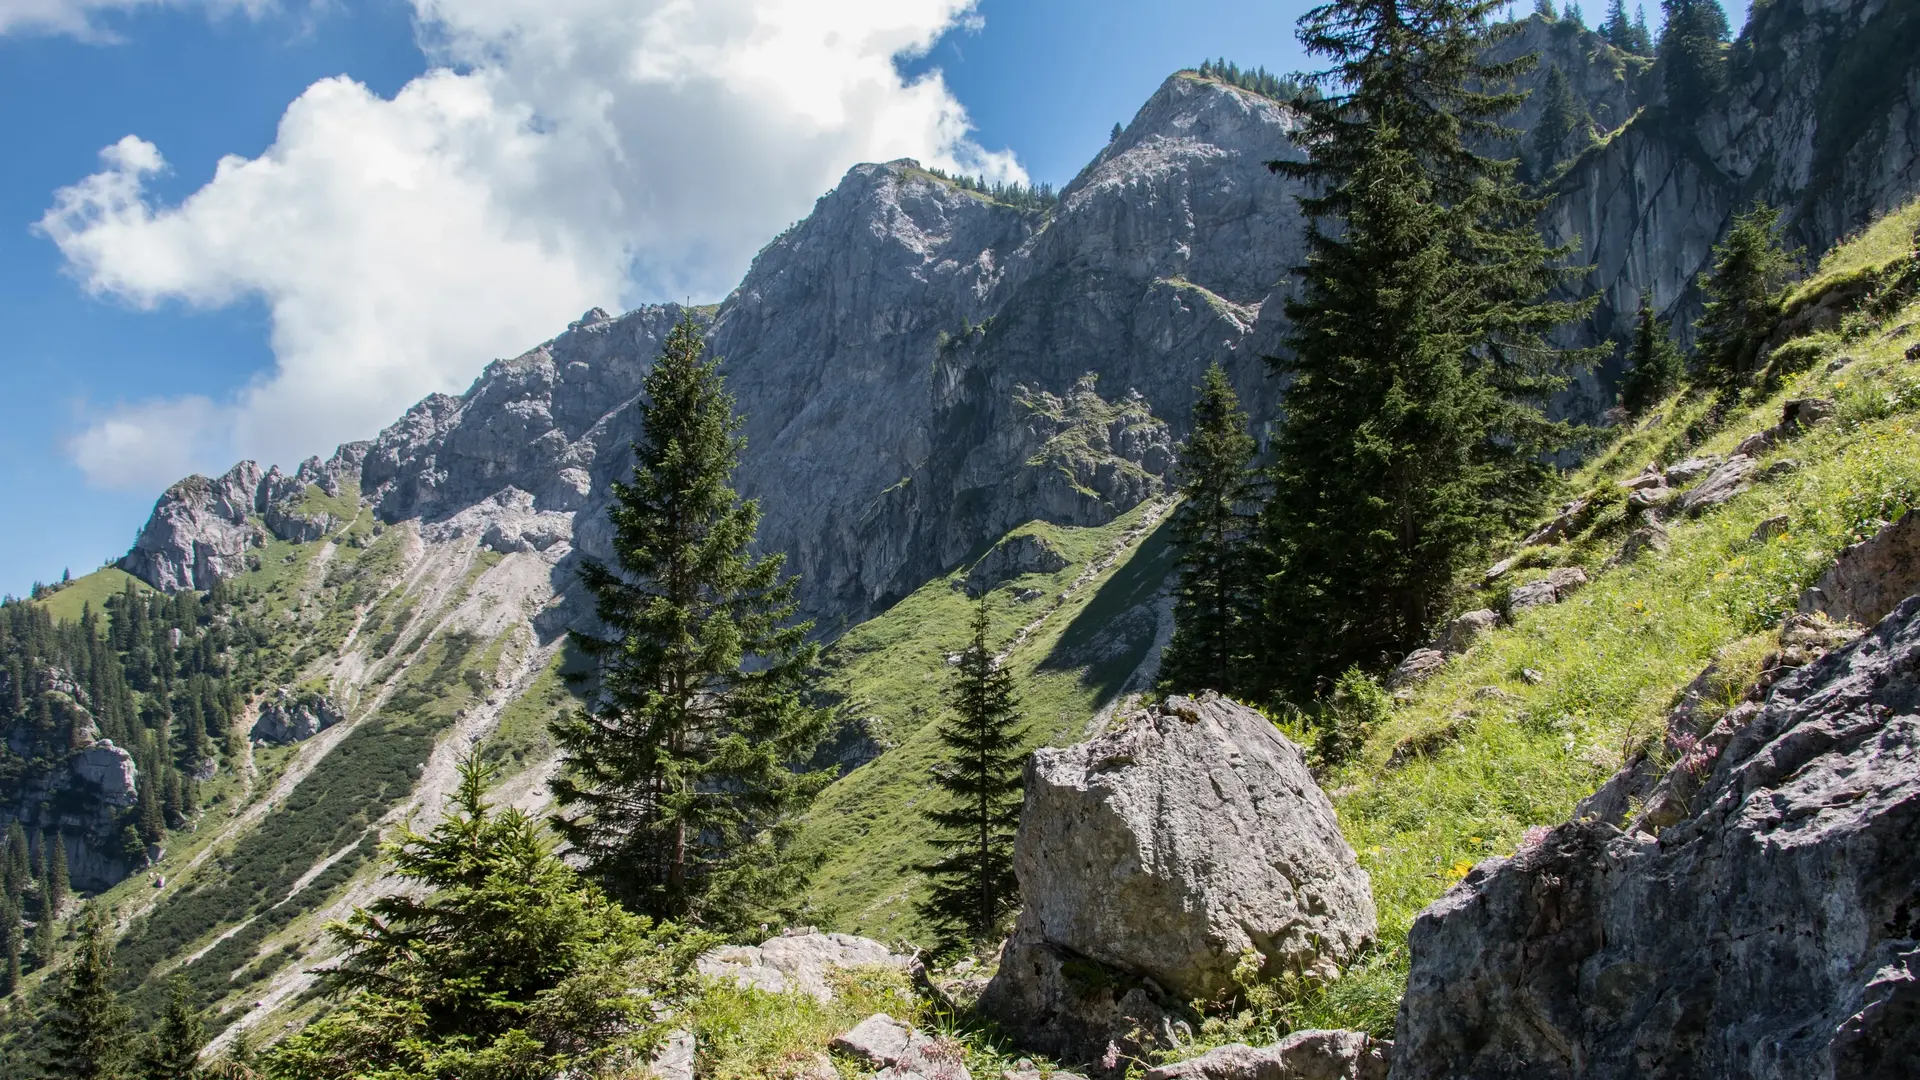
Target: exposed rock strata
column 1768, row 930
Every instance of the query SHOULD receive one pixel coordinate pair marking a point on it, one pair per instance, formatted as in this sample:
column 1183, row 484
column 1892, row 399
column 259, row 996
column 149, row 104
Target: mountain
column 944, row 393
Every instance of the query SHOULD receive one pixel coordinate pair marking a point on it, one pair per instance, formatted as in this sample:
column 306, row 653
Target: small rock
column 1650, row 498
column 1768, row 529
column 1419, row 665
column 1913, row 351
column 901, row 1052
column 1778, row 469
column 1755, row 444
column 1839, row 362
column 1566, row 581
column 1532, row 594
column 1687, row 471
column 1532, row 677
column 1649, row 537
column 1303, row 1055
column 1649, row 479
column 1799, row 414
column 1499, row 569
column 1732, row 477
column 1462, row 632
column 674, row 1059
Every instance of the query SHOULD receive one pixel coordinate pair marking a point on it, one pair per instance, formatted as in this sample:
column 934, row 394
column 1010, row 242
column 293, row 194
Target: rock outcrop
column 799, row 962
column 902, row 1052
column 1870, row 577
column 1768, row 929
column 1017, row 555
column 290, row 717
column 1153, row 859
column 1303, row 1055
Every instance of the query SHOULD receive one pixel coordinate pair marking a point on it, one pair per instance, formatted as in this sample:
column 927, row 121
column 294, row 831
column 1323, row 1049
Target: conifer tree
column 1217, row 600
column 15, row 944
column 679, row 788
column 1654, row 364
column 1617, row 30
column 1691, row 51
column 973, row 882
column 173, row 1052
column 58, row 882
column 1414, row 429
column 89, row 1027
column 1565, row 127
column 1744, row 288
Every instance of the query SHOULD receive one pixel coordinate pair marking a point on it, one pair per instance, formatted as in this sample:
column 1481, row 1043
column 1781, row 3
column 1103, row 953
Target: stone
column 1766, row 930
column 1153, row 858
column 901, row 1052
column 1566, row 580
column 1768, row 529
column 111, row 772
column 1730, row 478
column 1552, row 531
column 1650, row 537
column 291, row 717
column 1015, row 556
column 1685, row 472
column 1499, row 570
column 1460, row 634
column 1799, row 414
column 1776, row 470
column 1649, row 479
column 1755, row 444
column 674, row 1060
column 798, row 962
column 1651, row 498
column 1532, row 594
column 1418, row 666
column 1870, row 577
column 1024, row 1070
column 1302, row 1055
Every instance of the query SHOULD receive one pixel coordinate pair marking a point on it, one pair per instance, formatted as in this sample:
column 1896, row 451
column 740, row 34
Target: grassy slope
column 1610, row 661
column 894, row 669
column 67, row 604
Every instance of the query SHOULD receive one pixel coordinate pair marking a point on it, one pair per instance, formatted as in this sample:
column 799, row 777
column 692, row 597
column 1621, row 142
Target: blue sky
column 164, row 313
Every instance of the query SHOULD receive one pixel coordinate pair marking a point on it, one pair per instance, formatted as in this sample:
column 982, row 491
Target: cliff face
column 1822, row 119
column 922, row 369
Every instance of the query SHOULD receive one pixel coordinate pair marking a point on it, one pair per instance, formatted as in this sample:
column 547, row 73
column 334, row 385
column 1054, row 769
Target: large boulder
column 1767, row 929
column 1154, row 858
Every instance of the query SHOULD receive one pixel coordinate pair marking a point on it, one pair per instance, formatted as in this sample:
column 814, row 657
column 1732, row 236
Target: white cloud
column 569, row 153
column 80, row 18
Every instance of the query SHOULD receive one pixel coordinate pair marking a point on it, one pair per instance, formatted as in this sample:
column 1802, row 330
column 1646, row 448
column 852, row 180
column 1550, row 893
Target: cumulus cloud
column 563, row 153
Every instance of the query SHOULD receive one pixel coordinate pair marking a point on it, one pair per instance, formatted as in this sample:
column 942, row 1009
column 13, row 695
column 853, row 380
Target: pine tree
column 679, row 787
column 973, row 882
column 58, row 883
column 173, row 1052
column 1655, row 364
column 1565, row 128
column 15, row 944
column 1217, row 601
column 1750, row 273
column 1642, row 37
column 1543, row 9
column 1691, row 51
column 1617, row 30
column 90, row 1028
column 1116, row 133
column 1414, row 429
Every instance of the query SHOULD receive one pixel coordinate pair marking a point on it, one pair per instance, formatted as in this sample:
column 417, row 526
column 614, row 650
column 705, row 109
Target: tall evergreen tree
column 1414, row 428
column 1744, row 289
column 1617, row 30
column 1565, row 127
column 90, row 1028
column 973, row 882
column 1654, row 364
column 1693, row 54
column 1217, row 602
column 679, row 787
column 58, row 883
column 15, row 944
column 173, row 1051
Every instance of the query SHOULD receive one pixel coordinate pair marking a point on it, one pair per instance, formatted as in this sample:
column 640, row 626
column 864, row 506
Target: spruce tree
column 173, row 1052
column 1744, row 289
column 1217, row 598
column 680, row 789
column 1654, row 364
column 90, row 1029
column 1564, row 129
column 1617, row 30
column 1693, row 54
column 57, row 880
column 973, row 882
column 15, row 944
column 1414, row 428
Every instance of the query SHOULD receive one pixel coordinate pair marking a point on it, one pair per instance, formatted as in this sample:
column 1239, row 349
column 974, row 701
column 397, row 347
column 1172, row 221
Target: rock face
column 291, row 717
column 1022, row 553
column 1870, row 577
column 798, row 962
column 1153, row 858
column 1303, row 1055
column 110, row 770
column 1767, row 931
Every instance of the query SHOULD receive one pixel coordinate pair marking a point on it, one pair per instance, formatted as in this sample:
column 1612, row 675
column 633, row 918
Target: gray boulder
column 1416, row 667
column 1154, row 858
column 111, row 771
column 1870, row 577
column 1460, row 634
column 1767, row 930
column 1303, row 1055
column 901, row 1052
